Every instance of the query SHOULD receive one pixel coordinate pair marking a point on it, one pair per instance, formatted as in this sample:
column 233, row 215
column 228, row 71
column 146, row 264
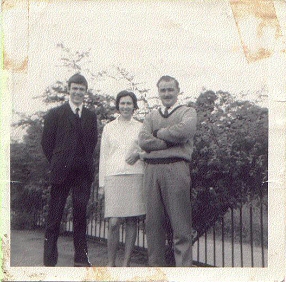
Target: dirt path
column 27, row 250
column 217, row 248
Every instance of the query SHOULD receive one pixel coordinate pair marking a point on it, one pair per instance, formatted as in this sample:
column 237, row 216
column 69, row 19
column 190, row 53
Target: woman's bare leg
column 130, row 238
column 113, row 240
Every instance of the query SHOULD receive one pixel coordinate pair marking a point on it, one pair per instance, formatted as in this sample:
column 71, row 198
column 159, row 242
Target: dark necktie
column 77, row 112
column 166, row 111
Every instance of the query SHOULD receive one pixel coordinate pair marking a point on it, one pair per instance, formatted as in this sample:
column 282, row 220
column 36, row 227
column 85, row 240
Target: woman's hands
column 132, row 158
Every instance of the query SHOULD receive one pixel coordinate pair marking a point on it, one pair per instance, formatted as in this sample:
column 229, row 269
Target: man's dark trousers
column 80, row 186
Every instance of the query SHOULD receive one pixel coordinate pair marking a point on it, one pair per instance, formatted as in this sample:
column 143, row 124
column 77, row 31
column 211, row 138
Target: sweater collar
column 171, row 108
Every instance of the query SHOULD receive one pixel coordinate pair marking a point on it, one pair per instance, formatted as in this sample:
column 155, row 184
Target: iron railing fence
column 238, row 239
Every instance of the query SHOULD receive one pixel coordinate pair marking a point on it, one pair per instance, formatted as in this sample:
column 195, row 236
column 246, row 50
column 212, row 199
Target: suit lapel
column 84, row 116
column 70, row 115
column 72, row 118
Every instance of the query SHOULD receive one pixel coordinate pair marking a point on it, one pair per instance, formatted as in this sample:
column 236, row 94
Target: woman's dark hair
column 125, row 93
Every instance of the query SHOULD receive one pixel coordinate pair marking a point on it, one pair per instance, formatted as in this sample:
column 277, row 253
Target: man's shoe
column 82, row 264
column 82, row 260
column 49, row 265
column 50, row 252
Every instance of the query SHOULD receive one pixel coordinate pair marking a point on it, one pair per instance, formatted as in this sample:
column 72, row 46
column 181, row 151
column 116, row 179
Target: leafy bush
column 230, row 159
column 22, row 220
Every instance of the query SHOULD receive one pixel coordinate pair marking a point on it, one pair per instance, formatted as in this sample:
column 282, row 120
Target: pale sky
column 196, row 42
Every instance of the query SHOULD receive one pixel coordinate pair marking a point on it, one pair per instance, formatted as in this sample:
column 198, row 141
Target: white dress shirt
column 74, row 107
column 119, row 139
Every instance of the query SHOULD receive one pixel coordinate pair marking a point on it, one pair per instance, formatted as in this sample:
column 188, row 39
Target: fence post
column 240, row 235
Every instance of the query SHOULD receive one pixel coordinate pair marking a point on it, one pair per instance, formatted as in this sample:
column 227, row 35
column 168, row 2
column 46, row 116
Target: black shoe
column 50, row 252
column 49, row 264
column 82, row 264
column 81, row 259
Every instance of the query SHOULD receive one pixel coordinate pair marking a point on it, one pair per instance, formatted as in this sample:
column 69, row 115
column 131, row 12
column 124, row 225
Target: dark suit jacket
column 59, row 140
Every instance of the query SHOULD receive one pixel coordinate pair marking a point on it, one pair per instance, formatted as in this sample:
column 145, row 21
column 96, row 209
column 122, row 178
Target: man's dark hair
column 78, row 79
column 168, row 78
column 125, row 93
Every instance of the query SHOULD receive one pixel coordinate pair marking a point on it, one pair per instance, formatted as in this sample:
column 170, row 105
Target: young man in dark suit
column 68, row 141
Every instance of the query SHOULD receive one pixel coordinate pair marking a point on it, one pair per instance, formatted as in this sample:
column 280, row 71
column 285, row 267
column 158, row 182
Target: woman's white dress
column 123, row 183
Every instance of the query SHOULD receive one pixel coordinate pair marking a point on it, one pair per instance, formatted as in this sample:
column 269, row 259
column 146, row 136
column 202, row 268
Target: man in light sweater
column 167, row 139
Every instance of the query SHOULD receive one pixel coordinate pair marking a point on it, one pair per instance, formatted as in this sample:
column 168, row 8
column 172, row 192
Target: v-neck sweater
column 174, row 137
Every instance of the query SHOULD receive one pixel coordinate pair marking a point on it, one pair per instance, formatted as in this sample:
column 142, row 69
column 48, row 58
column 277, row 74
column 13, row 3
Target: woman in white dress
column 121, row 176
